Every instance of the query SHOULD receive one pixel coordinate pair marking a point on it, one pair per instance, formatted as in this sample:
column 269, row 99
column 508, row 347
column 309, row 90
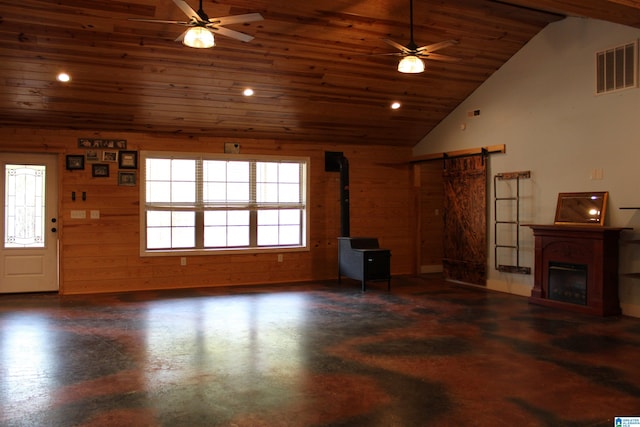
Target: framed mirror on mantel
column 587, row 208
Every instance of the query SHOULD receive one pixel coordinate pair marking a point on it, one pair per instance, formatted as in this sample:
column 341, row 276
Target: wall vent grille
column 617, row 68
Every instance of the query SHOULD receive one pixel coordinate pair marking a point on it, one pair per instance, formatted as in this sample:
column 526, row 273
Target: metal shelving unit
column 513, row 221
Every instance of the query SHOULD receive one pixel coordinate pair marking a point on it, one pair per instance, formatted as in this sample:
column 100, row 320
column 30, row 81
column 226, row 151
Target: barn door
column 465, row 220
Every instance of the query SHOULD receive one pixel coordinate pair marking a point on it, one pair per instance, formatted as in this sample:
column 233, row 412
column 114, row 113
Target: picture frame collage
column 101, row 153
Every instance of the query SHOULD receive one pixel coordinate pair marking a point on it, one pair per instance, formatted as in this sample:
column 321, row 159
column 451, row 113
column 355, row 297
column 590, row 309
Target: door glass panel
column 24, row 204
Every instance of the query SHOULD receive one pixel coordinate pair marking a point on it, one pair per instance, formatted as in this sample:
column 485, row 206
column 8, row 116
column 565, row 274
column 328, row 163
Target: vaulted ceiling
column 316, row 66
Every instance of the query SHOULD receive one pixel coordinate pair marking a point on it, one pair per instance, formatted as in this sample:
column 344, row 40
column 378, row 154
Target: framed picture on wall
column 99, row 170
column 109, row 156
column 75, row 162
column 127, row 178
column 128, row 159
column 93, row 156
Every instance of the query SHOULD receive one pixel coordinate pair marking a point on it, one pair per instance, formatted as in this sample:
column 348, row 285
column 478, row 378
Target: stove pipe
column 344, row 197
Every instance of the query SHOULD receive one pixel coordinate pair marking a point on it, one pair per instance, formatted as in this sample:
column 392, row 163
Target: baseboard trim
column 426, row 269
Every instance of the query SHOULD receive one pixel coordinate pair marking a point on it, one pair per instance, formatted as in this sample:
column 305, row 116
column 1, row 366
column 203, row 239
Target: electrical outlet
column 280, row 257
column 183, row 260
column 232, row 148
column 75, row 214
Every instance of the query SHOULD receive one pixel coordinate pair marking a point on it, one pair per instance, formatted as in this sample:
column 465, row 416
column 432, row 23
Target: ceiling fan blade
column 232, row 34
column 388, row 54
column 436, row 46
column 192, row 14
column 181, row 37
column 439, row 57
column 396, row 45
column 159, row 21
column 236, row 19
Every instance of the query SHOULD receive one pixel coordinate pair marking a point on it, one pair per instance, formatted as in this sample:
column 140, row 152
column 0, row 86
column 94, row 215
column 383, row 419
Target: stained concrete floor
column 428, row 353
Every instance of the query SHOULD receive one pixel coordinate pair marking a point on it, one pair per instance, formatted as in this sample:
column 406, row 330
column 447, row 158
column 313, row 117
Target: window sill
column 225, row 251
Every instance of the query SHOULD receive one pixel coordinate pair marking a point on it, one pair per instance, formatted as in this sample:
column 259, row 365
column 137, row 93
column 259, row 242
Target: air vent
column 617, row 68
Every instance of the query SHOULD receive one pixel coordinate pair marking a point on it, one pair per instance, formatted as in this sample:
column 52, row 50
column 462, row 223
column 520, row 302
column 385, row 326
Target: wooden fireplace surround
column 593, row 246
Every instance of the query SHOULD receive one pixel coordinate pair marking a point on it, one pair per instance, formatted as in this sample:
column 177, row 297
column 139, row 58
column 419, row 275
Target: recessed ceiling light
column 63, row 77
column 395, row 105
column 248, row 92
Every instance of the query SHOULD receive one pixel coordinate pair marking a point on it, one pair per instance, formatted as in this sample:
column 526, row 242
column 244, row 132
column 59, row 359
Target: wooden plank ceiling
column 315, row 65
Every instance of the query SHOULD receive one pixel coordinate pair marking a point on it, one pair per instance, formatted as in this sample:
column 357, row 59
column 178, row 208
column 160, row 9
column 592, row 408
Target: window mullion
column 199, row 208
column 253, row 212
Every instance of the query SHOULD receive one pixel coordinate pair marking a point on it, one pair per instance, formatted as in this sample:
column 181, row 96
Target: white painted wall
column 541, row 105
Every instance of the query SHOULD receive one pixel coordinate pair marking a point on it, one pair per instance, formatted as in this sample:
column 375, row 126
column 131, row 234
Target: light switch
column 95, row 214
column 597, row 173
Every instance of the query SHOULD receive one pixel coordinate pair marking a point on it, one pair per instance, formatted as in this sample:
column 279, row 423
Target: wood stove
column 359, row 258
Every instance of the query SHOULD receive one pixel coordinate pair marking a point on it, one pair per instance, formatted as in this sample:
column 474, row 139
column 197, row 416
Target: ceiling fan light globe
column 411, row 65
column 199, row 38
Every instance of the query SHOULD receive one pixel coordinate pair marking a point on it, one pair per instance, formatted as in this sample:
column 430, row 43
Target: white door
column 29, row 250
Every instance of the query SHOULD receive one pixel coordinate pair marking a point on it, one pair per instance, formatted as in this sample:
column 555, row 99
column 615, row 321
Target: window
column 201, row 203
column 616, row 68
column 24, row 206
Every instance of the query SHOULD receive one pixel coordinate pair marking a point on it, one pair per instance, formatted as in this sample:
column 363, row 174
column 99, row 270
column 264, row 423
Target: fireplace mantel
column 593, row 247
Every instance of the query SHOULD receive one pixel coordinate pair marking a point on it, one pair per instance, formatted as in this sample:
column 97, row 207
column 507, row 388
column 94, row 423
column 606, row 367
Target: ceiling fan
column 201, row 27
column 412, row 55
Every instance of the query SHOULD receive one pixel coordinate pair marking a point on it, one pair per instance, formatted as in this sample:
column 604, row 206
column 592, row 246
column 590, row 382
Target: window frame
column 198, row 206
column 608, row 73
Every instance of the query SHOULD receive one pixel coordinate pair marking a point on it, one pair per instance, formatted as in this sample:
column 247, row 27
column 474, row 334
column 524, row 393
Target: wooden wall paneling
column 102, row 255
column 417, row 224
column 431, row 216
column 374, row 211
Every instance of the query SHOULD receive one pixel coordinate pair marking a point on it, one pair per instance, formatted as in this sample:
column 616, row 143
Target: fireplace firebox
column 568, row 282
